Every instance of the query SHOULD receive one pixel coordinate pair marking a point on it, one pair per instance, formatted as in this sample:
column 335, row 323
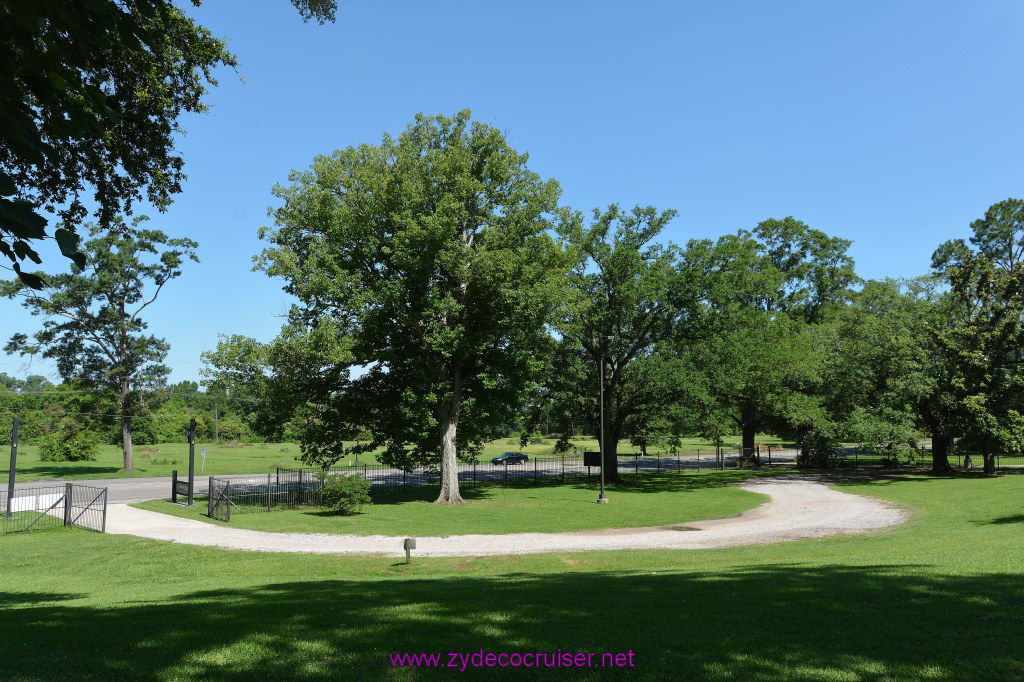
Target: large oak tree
column 426, row 260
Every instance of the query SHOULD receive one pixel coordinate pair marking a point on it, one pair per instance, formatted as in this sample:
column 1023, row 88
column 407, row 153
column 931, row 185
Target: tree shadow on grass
column 426, row 493
column 750, row 623
column 49, row 471
column 1016, row 518
column 10, row 600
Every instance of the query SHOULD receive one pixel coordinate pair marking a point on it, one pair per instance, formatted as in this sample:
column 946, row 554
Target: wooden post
column 67, row 504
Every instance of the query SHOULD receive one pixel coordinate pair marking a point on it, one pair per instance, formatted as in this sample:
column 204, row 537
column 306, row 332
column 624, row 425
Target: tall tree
column 629, row 288
column 94, row 327
column 984, row 345
column 886, row 379
column 786, row 277
column 91, row 94
column 426, row 258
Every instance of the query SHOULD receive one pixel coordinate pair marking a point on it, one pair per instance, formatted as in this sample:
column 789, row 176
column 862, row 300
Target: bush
column 817, row 450
column 344, row 494
column 62, row 446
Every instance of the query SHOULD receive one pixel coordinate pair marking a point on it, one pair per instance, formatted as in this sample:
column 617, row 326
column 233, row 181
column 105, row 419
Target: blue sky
column 893, row 124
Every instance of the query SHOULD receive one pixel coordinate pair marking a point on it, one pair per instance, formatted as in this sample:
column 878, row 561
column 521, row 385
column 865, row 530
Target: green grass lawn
column 939, row 598
column 647, row 500
column 251, row 458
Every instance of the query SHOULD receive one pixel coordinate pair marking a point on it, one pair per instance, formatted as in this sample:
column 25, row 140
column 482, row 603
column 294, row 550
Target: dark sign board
column 591, row 459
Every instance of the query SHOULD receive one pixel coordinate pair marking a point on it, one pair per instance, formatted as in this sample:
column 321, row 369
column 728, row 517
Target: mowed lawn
column 256, row 458
column 646, row 500
column 941, row 598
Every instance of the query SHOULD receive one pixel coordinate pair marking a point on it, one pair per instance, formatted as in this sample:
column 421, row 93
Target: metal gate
column 27, row 507
column 219, row 504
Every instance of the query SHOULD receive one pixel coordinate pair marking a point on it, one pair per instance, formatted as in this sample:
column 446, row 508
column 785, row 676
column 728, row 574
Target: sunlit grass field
column 648, row 500
column 939, row 598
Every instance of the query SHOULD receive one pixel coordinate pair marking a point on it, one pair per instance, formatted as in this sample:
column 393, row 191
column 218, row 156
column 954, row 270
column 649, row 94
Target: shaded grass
column 647, row 500
column 941, row 597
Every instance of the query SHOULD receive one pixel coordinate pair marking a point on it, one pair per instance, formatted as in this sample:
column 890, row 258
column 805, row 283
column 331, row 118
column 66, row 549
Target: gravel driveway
column 798, row 509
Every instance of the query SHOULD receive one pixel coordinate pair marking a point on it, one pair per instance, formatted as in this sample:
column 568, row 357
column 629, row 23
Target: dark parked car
column 510, row 458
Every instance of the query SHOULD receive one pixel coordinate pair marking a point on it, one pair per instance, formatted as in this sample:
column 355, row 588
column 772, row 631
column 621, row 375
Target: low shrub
column 63, row 446
column 344, row 494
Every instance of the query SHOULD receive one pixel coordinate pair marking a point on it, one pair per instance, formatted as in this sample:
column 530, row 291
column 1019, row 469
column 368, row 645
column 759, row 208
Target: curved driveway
column 798, row 510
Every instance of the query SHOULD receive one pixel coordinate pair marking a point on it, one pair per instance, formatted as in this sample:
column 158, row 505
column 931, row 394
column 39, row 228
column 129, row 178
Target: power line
column 151, row 393
column 95, row 414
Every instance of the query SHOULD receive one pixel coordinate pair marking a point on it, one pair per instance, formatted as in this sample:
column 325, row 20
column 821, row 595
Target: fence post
column 403, row 480
column 534, row 469
column 563, row 467
column 474, row 473
column 636, row 464
column 67, row 504
column 209, row 497
column 268, row 492
column 300, row 498
column 174, row 486
column 103, row 526
column 227, row 507
column 14, row 461
column 659, row 463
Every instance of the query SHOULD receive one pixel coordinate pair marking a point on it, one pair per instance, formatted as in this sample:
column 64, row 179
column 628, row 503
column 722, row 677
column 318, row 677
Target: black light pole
column 602, row 499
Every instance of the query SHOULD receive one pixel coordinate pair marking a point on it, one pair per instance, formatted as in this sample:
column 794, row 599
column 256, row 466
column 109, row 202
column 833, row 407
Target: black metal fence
column 33, row 507
column 300, row 487
column 964, row 460
column 262, row 492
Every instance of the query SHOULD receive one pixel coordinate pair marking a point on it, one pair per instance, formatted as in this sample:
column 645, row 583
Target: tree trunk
column 990, row 463
column 449, row 464
column 748, row 422
column 126, row 428
column 610, row 462
column 940, row 453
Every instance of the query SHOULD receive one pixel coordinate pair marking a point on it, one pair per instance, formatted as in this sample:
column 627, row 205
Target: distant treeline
column 161, row 414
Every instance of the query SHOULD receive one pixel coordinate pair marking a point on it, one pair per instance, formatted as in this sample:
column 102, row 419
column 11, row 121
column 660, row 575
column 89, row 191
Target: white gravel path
column 798, row 510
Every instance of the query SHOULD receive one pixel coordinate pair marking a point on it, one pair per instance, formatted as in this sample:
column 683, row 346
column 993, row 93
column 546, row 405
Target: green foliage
column 345, row 494
column 818, row 449
column 984, row 347
column 622, row 284
column 426, row 259
column 93, row 326
column 68, row 446
column 92, row 97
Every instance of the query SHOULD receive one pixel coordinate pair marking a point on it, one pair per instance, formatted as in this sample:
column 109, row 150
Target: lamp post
column 602, row 499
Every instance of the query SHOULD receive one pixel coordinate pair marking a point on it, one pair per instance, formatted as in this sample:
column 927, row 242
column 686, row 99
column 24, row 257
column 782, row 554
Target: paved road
column 127, row 490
